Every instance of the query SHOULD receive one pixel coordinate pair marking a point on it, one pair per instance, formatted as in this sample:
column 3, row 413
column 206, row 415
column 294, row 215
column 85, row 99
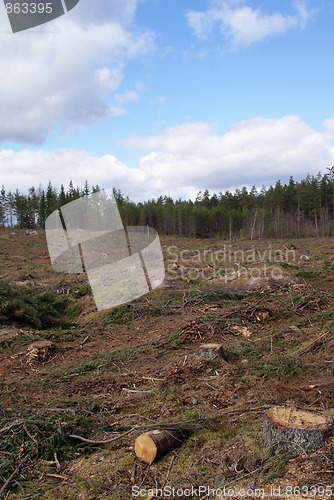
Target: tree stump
column 153, row 445
column 210, row 351
column 296, row 431
column 241, row 330
column 261, row 316
column 41, row 350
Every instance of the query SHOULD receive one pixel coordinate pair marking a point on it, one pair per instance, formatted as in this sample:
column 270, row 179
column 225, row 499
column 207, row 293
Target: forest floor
column 120, row 372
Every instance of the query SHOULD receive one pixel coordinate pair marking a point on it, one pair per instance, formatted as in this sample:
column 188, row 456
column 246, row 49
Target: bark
column 296, row 431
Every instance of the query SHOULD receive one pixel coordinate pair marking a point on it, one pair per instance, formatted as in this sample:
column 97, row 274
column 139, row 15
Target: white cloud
column 257, row 151
column 242, row 25
column 128, row 96
column 26, row 168
column 329, row 130
column 67, row 71
column 183, row 160
column 108, row 79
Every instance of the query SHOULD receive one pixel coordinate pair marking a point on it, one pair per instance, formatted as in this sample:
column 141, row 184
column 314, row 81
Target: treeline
column 295, row 209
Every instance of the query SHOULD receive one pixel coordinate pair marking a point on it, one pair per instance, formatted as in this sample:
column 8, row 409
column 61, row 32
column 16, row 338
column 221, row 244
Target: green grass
column 127, row 313
column 246, row 349
column 281, row 367
column 306, row 273
column 218, row 297
column 104, row 361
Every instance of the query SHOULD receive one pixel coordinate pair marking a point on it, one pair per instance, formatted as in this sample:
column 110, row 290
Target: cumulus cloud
column 243, row 25
column 67, row 71
column 26, row 168
column 194, row 156
column 183, row 160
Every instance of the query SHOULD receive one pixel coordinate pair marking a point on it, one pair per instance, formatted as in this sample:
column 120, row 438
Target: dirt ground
column 118, row 373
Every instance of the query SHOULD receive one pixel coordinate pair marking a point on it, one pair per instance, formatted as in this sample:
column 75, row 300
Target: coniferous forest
column 294, row 209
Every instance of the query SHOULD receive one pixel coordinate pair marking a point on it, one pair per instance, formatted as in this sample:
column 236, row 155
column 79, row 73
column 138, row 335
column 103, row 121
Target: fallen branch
column 57, row 476
column 319, row 383
column 136, row 391
column 13, row 424
column 30, row 435
column 56, row 461
column 169, row 471
column 185, row 425
column 9, row 480
column 83, row 342
column 92, row 441
column 309, row 346
column 244, row 409
column 153, row 379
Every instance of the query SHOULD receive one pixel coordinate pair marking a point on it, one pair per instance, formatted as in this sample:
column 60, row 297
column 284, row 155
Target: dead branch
column 56, row 461
column 318, row 383
column 57, row 476
column 185, row 425
column 27, row 432
column 243, row 409
column 83, row 342
column 13, row 424
column 9, row 480
column 169, row 471
column 136, row 391
column 92, row 441
column 309, row 346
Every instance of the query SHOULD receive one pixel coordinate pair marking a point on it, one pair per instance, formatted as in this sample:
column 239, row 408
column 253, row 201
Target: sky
column 168, row 97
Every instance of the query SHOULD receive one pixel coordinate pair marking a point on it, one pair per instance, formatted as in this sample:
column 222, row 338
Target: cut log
column 153, row 445
column 296, row 431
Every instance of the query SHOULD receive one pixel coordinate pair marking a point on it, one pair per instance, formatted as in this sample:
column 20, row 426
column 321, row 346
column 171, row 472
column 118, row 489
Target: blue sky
column 169, row 96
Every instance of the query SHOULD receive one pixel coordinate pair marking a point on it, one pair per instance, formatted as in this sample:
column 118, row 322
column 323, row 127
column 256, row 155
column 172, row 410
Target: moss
column 281, row 367
column 90, row 485
column 126, row 461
